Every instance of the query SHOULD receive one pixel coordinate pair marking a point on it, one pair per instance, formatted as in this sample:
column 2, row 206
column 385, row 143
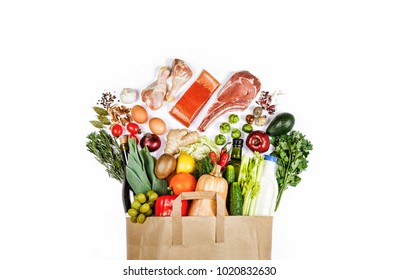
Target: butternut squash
column 209, row 182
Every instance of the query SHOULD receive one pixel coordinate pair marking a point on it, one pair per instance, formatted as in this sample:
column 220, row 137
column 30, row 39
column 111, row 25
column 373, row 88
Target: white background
column 337, row 60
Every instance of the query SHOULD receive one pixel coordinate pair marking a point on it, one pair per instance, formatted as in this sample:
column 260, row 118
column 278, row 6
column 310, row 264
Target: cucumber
column 229, row 174
column 236, row 200
column 281, row 124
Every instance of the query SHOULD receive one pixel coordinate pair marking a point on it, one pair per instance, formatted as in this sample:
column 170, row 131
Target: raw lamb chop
column 154, row 94
column 181, row 73
column 235, row 95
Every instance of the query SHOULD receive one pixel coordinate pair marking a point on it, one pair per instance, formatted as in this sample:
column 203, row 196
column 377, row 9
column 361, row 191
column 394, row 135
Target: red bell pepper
column 164, row 205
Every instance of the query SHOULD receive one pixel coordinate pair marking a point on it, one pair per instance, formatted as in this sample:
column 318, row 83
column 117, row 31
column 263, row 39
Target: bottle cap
column 270, row 158
column 124, row 139
column 238, row 142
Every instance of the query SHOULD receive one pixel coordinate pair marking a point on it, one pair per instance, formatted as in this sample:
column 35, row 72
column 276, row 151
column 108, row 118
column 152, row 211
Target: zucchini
column 236, row 200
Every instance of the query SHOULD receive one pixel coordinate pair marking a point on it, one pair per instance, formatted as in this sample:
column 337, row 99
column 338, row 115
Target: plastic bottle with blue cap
column 268, row 188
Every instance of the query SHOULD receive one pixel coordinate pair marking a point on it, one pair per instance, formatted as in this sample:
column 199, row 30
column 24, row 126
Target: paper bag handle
column 177, row 223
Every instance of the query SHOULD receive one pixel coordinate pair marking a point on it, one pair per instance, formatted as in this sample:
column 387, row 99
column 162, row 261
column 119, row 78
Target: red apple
column 258, row 141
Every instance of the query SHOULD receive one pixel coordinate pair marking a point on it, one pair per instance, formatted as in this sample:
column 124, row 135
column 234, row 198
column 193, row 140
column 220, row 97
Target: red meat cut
column 235, row 95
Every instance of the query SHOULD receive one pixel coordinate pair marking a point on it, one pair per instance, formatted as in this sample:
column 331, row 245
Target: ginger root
column 178, row 138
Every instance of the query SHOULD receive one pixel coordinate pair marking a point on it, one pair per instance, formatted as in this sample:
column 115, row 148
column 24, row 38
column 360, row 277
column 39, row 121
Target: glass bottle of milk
column 268, row 188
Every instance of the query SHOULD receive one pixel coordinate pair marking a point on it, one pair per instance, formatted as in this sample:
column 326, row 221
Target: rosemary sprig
column 106, row 151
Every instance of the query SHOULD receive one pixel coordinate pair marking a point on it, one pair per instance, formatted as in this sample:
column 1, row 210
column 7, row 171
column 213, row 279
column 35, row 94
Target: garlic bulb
column 128, row 95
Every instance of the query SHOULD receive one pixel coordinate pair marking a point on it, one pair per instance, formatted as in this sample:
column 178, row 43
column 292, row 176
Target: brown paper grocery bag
column 202, row 238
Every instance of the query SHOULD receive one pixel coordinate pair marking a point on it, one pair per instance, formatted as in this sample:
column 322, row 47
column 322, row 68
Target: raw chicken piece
column 181, row 73
column 154, row 94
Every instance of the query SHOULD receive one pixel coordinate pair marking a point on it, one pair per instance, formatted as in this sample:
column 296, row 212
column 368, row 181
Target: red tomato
column 135, row 137
column 116, row 130
column 133, row 128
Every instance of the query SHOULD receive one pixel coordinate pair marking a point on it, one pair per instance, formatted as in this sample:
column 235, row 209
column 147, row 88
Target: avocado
column 281, row 124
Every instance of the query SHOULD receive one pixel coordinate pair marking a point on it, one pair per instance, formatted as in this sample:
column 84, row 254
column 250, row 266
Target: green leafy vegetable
column 106, row 151
column 220, row 139
column 235, row 133
column 100, row 111
column 104, row 120
column 291, row 151
column 203, row 166
column 224, row 127
column 201, row 148
column 140, row 171
column 233, row 118
column 97, row 124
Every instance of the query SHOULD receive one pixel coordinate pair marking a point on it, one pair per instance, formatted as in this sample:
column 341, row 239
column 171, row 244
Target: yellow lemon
column 185, row 163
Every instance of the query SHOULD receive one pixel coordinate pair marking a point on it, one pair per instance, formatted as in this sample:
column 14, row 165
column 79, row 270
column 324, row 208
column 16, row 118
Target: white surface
column 338, row 62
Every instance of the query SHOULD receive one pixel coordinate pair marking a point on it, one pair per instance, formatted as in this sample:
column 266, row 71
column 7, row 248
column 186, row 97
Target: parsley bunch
column 291, row 151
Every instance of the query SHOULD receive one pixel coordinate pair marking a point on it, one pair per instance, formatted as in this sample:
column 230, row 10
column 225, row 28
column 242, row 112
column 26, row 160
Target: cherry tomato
column 134, row 136
column 116, row 130
column 133, row 128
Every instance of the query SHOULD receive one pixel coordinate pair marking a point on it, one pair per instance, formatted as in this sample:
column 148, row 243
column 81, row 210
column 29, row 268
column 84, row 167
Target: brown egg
column 157, row 126
column 139, row 114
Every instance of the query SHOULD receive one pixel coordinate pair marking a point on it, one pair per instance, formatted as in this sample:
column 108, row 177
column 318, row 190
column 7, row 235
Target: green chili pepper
column 235, row 133
column 247, row 128
column 225, row 127
column 233, row 118
column 220, row 139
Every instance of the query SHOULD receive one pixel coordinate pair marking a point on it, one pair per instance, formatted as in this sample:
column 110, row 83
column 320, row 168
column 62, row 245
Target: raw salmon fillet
column 194, row 99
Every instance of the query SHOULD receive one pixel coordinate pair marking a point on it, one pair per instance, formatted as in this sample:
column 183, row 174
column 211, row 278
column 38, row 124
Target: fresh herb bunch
column 203, row 166
column 291, row 151
column 106, row 151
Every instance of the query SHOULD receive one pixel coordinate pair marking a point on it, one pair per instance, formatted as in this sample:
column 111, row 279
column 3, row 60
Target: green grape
column 144, row 208
column 133, row 220
column 147, row 194
column 153, row 196
column 132, row 212
column 136, row 204
column 151, row 203
column 141, row 197
column 148, row 213
column 141, row 218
